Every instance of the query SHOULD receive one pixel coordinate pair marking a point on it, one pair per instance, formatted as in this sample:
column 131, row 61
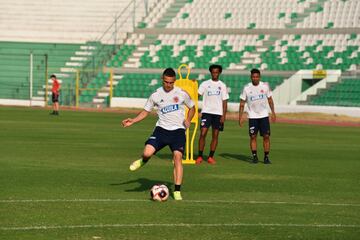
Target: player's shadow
column 143, row 184
column 241, row 157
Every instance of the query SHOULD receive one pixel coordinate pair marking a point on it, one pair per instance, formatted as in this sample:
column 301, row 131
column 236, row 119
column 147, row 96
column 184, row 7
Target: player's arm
column 241, row 111
column 271, row 104
column 130, row 121
column 190, row 116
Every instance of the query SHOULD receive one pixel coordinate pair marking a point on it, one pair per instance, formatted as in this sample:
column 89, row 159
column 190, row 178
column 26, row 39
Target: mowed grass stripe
column 181, row 225
column 185, row 201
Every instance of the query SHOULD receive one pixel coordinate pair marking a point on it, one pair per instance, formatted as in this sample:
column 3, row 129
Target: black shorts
column 262, row 124
column 212, row 120
column 55, row 97
column 175, row 139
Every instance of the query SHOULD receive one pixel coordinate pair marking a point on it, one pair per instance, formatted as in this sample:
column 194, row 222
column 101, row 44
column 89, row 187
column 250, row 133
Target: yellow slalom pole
column 77, row 88
column 191, row 87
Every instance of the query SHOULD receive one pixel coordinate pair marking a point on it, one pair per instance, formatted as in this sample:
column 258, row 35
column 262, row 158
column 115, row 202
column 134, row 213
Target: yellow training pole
column 77, row 88
column 191, row 87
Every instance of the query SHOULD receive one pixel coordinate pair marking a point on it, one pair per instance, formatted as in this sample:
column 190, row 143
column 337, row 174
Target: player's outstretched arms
column 127, row 122
column 130, row 121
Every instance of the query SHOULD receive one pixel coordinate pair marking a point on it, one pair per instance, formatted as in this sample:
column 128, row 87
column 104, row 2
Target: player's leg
column 177, row 141
column 215, row 125
column 265, row 133
column 178, row 174
column 149, row 150
column 154, row 143
column 204, row 127
column 202, row 141
column 253, row 130
column 53, row 100
column 56, row 105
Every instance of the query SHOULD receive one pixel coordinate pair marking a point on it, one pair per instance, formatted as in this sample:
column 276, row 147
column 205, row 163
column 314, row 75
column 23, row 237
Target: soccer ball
column 159, row 192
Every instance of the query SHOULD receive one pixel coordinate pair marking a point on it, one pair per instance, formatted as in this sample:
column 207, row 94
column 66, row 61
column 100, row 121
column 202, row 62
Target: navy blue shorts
column 175, row 139
column 262, row 124
column 55, row 97
column 212, row 120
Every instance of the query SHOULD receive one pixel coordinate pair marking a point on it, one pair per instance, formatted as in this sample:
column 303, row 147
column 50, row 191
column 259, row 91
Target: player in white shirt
column 213, row 113
column 170, row 102
column 258, row 97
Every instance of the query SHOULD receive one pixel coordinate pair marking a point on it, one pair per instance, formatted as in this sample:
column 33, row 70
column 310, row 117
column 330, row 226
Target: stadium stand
column 142, row 85
column 66, row 21
column 346, row 93
column 15, row 65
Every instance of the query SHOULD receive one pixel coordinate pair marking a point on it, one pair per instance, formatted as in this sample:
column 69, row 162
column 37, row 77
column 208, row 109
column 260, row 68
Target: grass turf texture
column 77, row 165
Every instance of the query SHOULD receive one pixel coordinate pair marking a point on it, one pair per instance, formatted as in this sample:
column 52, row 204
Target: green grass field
column 67, row 177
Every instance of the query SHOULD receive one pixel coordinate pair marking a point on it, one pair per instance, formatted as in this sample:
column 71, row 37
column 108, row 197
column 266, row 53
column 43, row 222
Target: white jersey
column 213, row 92
column 170, row 107
column 256, row 98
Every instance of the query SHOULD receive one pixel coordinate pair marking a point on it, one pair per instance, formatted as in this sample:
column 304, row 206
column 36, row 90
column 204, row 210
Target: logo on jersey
column 169, row 108
column 212, row 93
column 258, row 97
column 176, row 99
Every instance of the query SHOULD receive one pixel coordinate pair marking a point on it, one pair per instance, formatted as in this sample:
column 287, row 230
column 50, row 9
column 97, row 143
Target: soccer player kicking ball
column 170, row 127
column 257, row 95
column 213, row 113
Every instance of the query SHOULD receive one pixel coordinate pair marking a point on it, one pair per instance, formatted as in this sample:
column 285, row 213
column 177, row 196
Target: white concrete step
column 79, row 59
column 247, row 61
column 103, row 94
column 83, row 53
column 38, row 99
column 87, row 47
column 114, row 83
column 67, row 69
column 73, row 64
column 118, row 77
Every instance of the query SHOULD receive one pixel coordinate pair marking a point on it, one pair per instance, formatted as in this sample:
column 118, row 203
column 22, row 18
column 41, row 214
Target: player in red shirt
column 55, row 94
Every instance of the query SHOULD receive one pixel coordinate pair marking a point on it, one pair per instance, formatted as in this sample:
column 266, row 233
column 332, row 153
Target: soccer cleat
column 211, row 160
column 177, row 196
column 199, row 160
column 267, row 160
column 255, row 159
column 136, row 165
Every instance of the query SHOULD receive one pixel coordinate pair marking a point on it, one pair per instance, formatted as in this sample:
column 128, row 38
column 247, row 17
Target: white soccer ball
column 159, row 192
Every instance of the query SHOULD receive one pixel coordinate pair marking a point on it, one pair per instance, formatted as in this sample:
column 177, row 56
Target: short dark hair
column 214, row 66
column 169, row 72
column 53, row 75
column 255, row 70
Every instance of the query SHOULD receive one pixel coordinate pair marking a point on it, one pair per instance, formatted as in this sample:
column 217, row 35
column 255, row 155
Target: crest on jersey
column 262, row 91
column 176, row 99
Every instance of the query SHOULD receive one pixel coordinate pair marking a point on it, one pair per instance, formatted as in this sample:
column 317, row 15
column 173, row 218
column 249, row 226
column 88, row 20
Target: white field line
column 187, row 201
column 180, row 225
